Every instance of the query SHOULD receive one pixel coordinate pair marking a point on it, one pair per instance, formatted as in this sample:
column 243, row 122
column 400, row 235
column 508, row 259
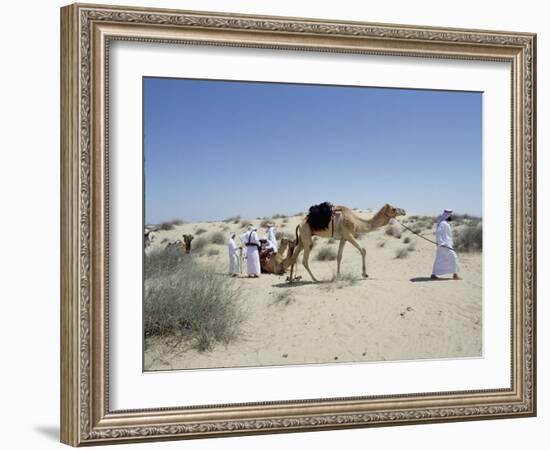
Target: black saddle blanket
column 319, row 216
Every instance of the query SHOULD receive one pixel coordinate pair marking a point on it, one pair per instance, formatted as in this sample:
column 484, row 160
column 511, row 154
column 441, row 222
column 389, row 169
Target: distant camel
column 337, row 222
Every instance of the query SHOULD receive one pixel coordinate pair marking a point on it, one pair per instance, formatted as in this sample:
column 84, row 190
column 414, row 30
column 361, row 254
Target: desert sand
column 395, row 314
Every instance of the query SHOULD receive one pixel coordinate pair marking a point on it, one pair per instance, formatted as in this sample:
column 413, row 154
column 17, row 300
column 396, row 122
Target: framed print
column 276, row 224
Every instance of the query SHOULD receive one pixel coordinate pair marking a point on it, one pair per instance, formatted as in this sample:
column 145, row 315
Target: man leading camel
column 446, row 259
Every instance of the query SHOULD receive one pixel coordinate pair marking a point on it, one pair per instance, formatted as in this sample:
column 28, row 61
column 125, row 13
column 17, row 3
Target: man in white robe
column 234, row 260
column 252, row 243
column 270, row 236
column 446, row 259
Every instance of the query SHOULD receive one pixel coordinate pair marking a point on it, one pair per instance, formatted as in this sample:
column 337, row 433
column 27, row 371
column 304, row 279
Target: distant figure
column 234, row 266
column 446, row 259
column 250, row 239
column 270, row 236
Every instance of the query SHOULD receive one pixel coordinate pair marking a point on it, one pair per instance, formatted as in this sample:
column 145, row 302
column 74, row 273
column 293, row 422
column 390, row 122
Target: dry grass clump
column 234, row 219
column 285, row 298
column 469, row 238
column 264, row 223
column 199, row 244
column 187, row 299
column 168, row 225
column 213, row 252
column 393, row 230
column 345, row 279
column 200, row 231
column 406, row 240
column 326, row 254
column 217, row 238
column 401, row 252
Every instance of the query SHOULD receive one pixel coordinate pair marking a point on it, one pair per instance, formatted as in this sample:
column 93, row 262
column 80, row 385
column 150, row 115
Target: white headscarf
column 444, row 215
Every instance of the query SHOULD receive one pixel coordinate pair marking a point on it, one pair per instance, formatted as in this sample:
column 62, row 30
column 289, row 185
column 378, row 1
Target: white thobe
column 252, row 254
column 233, row 257
column 446, row 260
column 271, row 237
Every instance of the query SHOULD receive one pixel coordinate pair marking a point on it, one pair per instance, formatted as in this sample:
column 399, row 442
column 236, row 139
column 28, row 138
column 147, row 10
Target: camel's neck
column 378, row 220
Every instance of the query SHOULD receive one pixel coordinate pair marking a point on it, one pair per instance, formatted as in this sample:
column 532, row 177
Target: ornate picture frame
column 87, row 32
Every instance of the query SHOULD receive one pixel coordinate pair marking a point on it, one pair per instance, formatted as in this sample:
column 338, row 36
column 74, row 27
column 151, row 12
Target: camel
column 341, row 223
column 276, row 263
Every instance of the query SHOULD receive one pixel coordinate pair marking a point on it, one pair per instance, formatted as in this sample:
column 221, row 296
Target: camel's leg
column 305, row 262
column 339, row 258
column 361, row 250
column 294, row 260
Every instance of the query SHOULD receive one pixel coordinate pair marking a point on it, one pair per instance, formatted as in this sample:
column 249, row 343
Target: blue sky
column 215, row 149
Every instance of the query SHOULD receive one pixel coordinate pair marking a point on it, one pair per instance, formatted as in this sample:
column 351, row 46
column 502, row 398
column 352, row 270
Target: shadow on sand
column 423, row 279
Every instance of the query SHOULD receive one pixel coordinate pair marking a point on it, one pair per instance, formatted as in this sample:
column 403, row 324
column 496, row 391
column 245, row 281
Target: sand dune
column 395, row 314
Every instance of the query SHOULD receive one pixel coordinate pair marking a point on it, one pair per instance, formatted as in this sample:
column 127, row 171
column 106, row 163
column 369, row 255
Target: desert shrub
column 469, row 238
column 264, row 223
column 199, row 244
column 285, row 220
column 213, row 252
column 234, row 219
column 279, row 216
column 393, row 230
column 217, row 238
column 401, row 252
column 185, row 298
column 341, row 281
column 406, row 240
column 200, row 231
column 326, row 254
column 224, row 228
column 244, row 223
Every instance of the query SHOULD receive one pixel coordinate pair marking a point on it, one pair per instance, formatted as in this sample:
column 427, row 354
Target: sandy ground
column 395, row 314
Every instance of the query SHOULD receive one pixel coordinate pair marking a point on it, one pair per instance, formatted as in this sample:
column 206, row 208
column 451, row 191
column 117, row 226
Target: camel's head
column 187, row 238
column 393, row 211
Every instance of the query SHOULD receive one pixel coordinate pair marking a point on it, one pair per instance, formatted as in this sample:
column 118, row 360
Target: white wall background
column 29, row 211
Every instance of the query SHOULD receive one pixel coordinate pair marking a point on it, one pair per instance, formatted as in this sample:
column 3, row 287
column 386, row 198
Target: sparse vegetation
column 279, row 216
column 285, row 298
column 401, row 252
column 264, row 223
column 234, row 219
column 200, row 244
column 283, row 234
column 341, row 281
column 187, row 299
column 217, row 238
column 326, row 254
column 406, row 240
column 469, row 238
column 200, row 231
column 393, row 230
column 169, row 225
column 213, row 252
